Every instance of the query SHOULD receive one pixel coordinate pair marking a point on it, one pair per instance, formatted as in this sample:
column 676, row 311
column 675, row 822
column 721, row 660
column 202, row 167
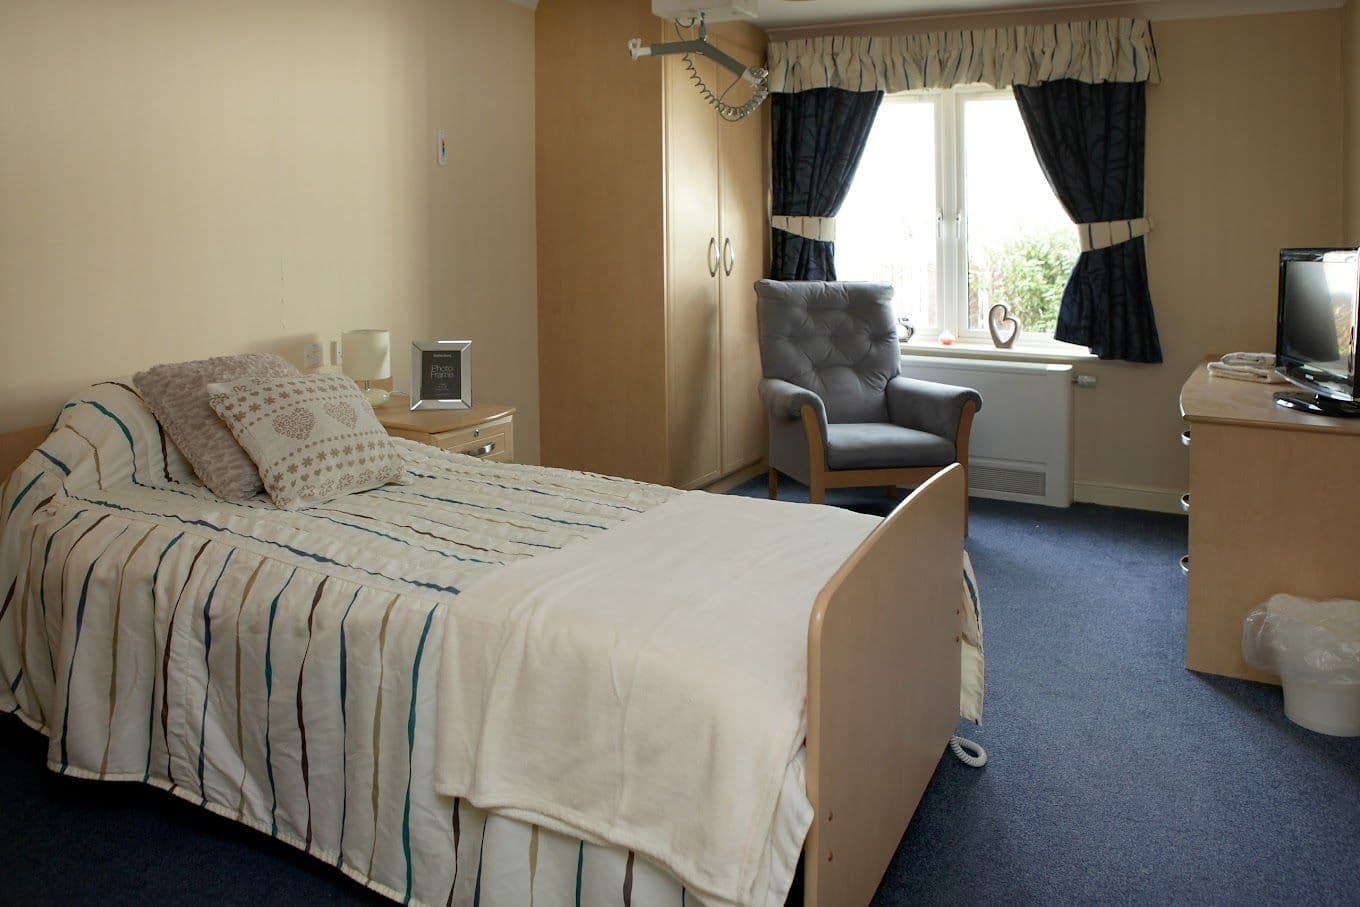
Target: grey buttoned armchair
column 841, row 413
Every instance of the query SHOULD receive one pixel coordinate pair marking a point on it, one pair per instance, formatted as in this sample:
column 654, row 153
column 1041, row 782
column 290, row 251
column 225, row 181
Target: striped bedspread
column 280, row 668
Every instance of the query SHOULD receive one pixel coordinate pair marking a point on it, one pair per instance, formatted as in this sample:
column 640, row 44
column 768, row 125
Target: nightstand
column 485, row 430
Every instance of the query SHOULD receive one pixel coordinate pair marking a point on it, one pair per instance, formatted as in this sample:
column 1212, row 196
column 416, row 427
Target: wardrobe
column 651, row 233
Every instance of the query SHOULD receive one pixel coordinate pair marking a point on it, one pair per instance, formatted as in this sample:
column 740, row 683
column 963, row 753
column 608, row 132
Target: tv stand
column 1274, row 492
column 1318, row 405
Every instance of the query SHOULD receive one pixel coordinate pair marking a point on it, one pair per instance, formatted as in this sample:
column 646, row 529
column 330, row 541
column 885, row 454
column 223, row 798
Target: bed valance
column 1102, row 50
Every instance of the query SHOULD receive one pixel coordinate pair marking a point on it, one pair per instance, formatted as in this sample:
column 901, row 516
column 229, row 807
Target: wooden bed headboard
column 15, row 446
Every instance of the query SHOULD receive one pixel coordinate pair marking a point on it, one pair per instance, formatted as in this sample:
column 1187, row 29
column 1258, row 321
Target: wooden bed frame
column 883, row 689
column 883, row 682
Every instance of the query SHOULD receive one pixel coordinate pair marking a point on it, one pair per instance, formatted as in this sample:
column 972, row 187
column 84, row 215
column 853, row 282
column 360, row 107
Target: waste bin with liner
column 1314, row 646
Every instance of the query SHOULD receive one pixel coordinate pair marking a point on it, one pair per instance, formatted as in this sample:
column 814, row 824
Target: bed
column 282, row 668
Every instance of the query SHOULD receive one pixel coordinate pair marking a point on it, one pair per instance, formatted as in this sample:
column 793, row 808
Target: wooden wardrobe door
column 693, row 253
column 742, row 155
column 601, row 242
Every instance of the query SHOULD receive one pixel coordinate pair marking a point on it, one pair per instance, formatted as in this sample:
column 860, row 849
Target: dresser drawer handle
column 483, row 450
column 1185, row 438
column 1185, row 564
column 1185, row 502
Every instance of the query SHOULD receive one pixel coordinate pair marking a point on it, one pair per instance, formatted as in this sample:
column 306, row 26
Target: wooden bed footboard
column 883, row 689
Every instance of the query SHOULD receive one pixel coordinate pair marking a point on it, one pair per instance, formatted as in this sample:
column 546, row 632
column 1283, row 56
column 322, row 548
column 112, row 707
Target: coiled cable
column 969, row 752
column 729, row 112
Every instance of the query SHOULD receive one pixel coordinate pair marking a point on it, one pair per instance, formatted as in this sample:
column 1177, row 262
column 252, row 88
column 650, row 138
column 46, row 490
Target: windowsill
column 1019, row 353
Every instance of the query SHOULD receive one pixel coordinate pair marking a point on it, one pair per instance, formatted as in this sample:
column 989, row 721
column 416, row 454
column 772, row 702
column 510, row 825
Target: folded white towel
column 1245, row 373
column 1255, row 360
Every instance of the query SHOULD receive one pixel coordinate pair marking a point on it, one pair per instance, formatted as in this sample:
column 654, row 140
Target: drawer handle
column 1185, row 564
column 1185, row 502
column 1185, row 438
column 483, row 450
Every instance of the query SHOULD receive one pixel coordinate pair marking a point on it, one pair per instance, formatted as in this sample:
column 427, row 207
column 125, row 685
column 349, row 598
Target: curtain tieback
column 1103, row 234
column 822, row 229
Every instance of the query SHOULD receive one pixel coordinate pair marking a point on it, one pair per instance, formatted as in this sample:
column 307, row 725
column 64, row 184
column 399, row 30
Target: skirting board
column 1134, row 497
column 728, row 482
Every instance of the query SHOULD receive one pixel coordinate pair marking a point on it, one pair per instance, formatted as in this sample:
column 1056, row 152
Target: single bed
column 281, row 667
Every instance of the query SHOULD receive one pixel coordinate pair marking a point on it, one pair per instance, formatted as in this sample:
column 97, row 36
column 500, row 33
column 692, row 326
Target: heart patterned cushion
column 313, row 437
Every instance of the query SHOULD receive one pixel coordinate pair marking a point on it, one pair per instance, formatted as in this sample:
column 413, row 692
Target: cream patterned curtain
column 1105, row 50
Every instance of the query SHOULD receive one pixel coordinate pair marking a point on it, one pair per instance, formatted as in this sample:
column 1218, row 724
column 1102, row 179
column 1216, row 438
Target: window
column 950, row 207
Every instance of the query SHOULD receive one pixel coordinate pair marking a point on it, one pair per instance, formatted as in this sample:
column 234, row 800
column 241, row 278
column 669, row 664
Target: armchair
column 841, row 413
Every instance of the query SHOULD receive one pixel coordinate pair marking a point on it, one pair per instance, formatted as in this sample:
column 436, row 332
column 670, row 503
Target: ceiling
column 785, row 13
column 793, row 13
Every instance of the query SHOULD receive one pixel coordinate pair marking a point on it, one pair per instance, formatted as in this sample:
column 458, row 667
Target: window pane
column 885, row 231
column 1021, row 244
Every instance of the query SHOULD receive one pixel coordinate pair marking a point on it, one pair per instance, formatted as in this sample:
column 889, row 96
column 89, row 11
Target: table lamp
column 366, row 356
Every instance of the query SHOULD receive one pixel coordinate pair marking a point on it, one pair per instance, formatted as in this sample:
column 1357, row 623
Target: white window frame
column 951, row 218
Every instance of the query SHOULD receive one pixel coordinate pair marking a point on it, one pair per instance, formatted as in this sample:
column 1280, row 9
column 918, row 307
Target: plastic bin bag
column 1305, row 641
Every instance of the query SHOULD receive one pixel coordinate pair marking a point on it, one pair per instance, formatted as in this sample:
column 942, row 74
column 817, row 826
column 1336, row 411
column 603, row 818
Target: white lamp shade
column 366, row 355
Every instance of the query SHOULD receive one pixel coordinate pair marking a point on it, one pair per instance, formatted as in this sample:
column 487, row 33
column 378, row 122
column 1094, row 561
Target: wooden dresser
column 485, row 430
column 1274, row 507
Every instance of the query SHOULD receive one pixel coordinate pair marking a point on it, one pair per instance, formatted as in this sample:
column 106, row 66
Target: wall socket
column 313, row 355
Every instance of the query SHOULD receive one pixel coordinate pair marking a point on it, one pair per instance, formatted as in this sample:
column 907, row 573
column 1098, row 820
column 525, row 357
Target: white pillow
column 312, row 437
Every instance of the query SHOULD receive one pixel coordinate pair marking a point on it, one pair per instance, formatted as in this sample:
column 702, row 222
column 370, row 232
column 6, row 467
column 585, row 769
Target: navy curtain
column 1089, row 141
column 818, row 137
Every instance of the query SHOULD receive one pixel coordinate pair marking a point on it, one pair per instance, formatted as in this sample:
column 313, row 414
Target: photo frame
column 441, row 374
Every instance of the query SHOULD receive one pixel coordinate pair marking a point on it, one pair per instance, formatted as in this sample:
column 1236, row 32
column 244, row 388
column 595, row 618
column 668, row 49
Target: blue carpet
column 1116, row 776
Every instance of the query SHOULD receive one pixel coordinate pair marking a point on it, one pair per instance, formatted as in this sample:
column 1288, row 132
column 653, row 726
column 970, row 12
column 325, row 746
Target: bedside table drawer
column 494, row 440
column 485, row 430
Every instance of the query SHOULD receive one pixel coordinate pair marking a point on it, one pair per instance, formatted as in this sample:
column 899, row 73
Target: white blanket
column 645, row 688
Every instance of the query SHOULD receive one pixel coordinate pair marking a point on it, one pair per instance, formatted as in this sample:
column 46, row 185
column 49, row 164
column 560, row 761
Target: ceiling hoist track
column 754, row 76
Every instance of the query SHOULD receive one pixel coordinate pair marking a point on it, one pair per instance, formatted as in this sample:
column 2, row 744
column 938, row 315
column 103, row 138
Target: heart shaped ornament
column 1004, row 326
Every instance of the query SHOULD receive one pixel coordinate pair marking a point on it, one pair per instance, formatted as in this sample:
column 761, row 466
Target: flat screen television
column 1316, row 329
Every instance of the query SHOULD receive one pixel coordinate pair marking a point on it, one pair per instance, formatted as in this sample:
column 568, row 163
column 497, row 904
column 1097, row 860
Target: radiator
column 1021, row 445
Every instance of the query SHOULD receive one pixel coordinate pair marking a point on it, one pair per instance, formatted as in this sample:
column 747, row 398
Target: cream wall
column 1243, row 158
column 190, row 178
column 1350, row 62
column 483, row 248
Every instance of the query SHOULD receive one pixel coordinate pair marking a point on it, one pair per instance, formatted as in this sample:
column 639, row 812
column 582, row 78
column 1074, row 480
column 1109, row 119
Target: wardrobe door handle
column 712, row 257
column 729, row 257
